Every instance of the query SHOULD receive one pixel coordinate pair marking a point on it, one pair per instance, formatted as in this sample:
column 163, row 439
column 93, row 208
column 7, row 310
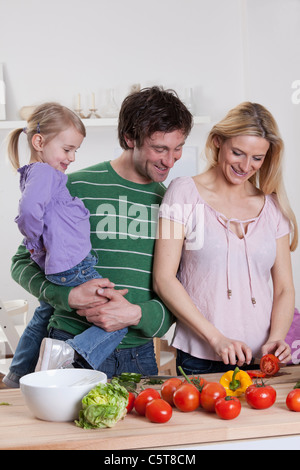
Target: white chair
column 165, row 357
column 13, row 320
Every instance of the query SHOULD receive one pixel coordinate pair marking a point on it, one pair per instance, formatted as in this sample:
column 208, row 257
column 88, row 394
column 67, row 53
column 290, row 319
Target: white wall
column 226, row 51
column 272, row 65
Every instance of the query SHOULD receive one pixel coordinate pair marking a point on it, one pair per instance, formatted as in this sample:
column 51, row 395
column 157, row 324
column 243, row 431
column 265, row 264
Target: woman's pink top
column 227, row 277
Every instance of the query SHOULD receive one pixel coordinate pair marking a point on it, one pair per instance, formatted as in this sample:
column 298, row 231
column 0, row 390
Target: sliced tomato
column 256, row 374
column 269, row 364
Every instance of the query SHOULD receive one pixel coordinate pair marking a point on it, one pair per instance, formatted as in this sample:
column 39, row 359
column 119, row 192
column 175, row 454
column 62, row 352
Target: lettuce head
column 103, row 406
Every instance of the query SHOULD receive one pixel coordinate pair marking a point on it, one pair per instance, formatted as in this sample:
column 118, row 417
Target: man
column 123, row 197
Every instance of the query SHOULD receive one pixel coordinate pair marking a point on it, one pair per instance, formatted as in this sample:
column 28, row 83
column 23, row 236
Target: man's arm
column 29, row 275
column 151, row 318
column 156, row 318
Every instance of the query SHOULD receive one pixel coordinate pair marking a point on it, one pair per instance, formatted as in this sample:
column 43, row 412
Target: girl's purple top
column 55, row 224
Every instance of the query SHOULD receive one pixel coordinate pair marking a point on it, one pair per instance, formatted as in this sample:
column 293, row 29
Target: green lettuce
column 103, row 406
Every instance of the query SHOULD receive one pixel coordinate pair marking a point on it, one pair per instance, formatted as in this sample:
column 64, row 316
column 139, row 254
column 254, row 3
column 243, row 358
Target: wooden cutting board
column 20, row 430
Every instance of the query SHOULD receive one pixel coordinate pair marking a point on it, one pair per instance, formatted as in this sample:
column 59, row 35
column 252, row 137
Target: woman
column 223, row 235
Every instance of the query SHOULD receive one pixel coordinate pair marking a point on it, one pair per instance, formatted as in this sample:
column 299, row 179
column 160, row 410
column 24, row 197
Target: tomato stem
column 235, row 384
column 184, row 375
column 297, row 385
column 229, row 398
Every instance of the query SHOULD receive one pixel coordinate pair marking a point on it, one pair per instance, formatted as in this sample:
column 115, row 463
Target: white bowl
column 50, row 395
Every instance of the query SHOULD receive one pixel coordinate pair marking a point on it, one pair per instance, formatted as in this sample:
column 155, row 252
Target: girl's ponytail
column 48, row 119
column 13, row 147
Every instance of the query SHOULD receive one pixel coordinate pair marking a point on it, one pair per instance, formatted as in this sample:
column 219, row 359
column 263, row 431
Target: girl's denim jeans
column 140, row 360
column 94, row 344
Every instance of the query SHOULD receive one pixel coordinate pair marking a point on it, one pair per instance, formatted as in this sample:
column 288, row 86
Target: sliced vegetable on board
column 269, row 364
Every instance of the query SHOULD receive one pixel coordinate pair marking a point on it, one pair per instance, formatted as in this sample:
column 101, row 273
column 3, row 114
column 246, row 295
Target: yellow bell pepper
column 235, row 382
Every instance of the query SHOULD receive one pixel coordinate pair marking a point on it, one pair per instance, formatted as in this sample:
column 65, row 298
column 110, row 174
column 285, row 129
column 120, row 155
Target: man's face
column 157, row 155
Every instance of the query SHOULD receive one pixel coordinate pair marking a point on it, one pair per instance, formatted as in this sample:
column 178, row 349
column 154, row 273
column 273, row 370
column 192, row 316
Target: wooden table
column 20, row 430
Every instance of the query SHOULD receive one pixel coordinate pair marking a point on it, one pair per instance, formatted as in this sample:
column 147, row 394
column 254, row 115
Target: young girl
column 55, row 226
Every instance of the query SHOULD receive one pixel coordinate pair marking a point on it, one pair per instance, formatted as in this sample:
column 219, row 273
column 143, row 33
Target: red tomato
column 293, row 400
column 210, row 394
column 158, row 411
column 260, row 396
column 143, row 398
column 269, row 364
column 228, row 407
column 256, row 374
column 131, row 400
column 186, row 397
column 168, row 388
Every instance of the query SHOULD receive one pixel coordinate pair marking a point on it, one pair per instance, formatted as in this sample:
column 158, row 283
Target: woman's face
column 241, row 157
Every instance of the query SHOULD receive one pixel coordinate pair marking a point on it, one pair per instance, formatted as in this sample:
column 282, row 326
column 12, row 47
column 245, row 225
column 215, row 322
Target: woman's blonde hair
column 48, row 119
column 253, row 119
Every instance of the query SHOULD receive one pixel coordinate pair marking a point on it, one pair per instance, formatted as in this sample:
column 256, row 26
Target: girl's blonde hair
column 48, row 119
column 253, row 119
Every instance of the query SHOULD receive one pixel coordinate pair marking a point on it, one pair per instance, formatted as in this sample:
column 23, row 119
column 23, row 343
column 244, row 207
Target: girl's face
column 241, row 157
column 60, row 151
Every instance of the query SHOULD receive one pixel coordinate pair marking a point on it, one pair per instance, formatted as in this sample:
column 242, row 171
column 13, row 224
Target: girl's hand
column 279, row 348
column 232, row 351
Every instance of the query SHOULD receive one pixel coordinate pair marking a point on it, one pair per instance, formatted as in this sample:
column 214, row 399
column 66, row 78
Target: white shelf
column 102, row 122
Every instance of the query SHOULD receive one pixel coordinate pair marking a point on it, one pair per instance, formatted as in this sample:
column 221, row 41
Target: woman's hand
column 231, row 351
column 279, row 348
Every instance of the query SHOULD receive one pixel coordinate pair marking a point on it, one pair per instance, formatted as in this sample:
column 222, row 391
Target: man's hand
column 89, row 294
column 115, row 314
